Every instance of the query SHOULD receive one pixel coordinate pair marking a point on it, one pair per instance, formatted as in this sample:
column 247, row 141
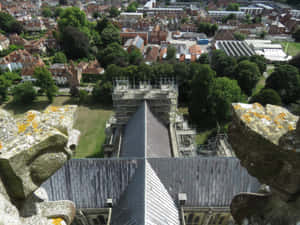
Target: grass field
column 260, row 85
column 90, row 121
column 291, row 48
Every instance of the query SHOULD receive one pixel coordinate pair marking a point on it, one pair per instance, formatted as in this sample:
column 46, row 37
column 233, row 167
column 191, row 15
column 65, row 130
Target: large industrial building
column 271, row 51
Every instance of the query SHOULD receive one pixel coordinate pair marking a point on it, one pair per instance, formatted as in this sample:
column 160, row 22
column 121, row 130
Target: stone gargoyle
column 267, row 142
column 32, row 148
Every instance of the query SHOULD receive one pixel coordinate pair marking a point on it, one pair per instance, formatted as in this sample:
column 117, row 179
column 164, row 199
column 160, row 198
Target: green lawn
column 291, row 48
column 90, row 121
column 260, row 85
column 203, row 136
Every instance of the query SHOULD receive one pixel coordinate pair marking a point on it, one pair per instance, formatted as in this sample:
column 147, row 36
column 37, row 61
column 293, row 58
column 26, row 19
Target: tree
column 13, row 77
column 75, row 43
column 223, row 65
column 45, row 81
column 267, row 96
column 135, row 57
column 114, row 12
column 247, row 74
column 224, row 92
column 285, row 80
column 132, row 7
column 102, row 92
column 239, row 36
column 101, row 25
column 295, row 61
column 72, row 17
column 83, row 96
column 46, row 12
column 58, row 11
column 233, row 7
column 171, row 52
column 59, row 57
column 113, row 54
column 110, row 34
column 260, row 61
column 9, row 24
column 201, row 88
column 96, row 15
column 296, row 35
column 207, row 28
column 203, row 59
column 4, row 85
column 183, row 77
column 24, row 93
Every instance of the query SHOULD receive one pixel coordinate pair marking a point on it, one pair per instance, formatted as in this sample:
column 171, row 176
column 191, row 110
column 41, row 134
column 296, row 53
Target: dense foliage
column 9, row 24
column 24, row 93
column 267, row 96
column 45, row 81
column 285, row 80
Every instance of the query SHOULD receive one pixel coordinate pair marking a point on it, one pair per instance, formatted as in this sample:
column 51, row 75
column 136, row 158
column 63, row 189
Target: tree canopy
column 59, row 57
column 4, row 85
column 132, row 7
column 45, row 81
column 24, row 93
column 171, row 52
column 247, row 74
column 9, row 24
column 114, row 12
column 113, row 54
column 75, row 43
column 201, row 88
column 233, row 7
column 223, row 65
column 207, row 28
column 296, row 34
column 285, row 80
column 110, row 34
column 267, row 96
column 72, row 16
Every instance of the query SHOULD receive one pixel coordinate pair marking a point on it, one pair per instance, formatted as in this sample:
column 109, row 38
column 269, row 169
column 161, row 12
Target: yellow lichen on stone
column 1, row 145
column 237, row 107
column 30, row 117
column 247, row 118
column 57, row 221
column 257, row 105
column 290, row 127
column 281, row 116
column 22, row 127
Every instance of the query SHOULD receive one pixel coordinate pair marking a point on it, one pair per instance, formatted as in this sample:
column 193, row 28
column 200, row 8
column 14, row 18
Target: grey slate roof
column 145, row 201
column 206, row 181
column 145, row 136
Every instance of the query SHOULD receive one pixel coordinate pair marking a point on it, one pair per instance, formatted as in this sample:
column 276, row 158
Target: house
column 91, row 68
column 152, row 54
column 157, row 35
column 277, row 28
column 34, row 25
column 195, row 50
column 19, row 59
column 129, row 35
column 15, row 39
column 136, row 42
column 4, row 42
column 65, row 74
column 36, row 46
